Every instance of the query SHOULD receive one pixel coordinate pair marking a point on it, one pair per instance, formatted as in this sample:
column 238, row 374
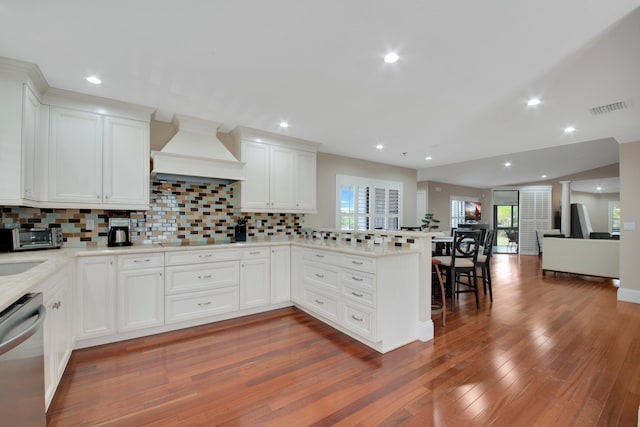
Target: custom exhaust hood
column 195, row 154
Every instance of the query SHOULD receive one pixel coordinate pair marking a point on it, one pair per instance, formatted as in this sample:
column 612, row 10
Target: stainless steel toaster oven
column 24, row 239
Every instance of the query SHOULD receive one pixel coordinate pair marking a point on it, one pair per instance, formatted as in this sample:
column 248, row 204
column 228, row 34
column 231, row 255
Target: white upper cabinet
column 306, row 181
column 19, row 111
column 126, row 162
column 255, row 189
column 30, row 135
column 282, row 185
column 96, row 160
column 280, row 172
column 75, row 157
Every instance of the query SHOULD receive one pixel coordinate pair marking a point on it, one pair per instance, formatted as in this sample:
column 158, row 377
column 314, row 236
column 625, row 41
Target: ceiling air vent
column 609, row 108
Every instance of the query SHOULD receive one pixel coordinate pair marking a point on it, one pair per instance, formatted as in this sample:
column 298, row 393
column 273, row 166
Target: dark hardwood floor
column 550, row 351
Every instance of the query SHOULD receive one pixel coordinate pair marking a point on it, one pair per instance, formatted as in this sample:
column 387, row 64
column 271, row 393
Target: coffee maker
column 119, row 232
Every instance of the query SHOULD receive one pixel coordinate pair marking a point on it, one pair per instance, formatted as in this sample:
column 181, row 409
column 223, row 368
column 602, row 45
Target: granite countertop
column 14, row 286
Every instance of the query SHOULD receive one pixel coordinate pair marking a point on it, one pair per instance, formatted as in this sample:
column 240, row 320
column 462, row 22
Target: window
column 457, row 213
column 365, row 204
column 614, row 217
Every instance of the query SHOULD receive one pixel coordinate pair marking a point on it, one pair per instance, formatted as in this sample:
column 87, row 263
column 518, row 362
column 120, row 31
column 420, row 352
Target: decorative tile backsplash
column 179, row 211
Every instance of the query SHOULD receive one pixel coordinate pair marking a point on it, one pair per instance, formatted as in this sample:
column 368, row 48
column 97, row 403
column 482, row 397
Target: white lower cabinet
column 58, row 327
column 255, row 288
column 372, row 299
column 321, row 302
column 201, row 283
column 140, row 298
column 195, row 305
column 118, row 294
column 96, row 296
column 280, row 274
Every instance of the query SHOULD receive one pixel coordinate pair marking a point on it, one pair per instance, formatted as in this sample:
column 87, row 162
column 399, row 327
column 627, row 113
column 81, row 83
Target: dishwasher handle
column 16, row 340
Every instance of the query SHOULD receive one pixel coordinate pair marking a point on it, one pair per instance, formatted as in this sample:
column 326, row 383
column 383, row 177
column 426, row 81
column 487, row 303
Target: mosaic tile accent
column 360, row 237
column 179, row 212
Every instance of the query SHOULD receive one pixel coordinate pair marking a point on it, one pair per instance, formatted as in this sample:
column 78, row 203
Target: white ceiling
column 458, row 92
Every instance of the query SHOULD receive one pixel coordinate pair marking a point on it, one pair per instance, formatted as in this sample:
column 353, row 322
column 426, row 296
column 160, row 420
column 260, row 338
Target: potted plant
column 429, row 223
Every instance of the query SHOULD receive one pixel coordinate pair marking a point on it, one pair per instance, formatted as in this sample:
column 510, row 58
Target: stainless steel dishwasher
column 22, row 363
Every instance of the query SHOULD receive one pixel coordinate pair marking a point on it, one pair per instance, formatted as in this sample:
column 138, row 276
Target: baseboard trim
column 629, row 295
column 425, row 330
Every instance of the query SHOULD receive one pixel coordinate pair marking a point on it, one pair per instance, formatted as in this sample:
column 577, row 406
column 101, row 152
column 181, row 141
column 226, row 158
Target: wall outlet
column 90, row 225
column 631, row 225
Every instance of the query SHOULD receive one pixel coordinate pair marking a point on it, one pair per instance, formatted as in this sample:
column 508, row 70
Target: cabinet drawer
column 321, row 303
column 201, row 304
column 199, row 277
column 357, row 278
column 251, row 253
column 322, row 256
column 200, row 256
column 322, row 275
column 126, row 262
column 359, row 263
column 361, row 320
column 360, row 295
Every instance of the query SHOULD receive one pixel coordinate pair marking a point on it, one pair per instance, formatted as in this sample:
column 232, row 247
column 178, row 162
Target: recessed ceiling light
column 507, row 164
column 543, row 176
column 391, row 57
column 379, row 147
column 533, row 101
column 94, row 80
column 598, row 188
column 284, row 124
column 428, row 158
column 569, row 129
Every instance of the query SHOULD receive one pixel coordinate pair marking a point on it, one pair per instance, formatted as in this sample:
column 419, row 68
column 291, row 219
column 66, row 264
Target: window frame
column 366, row 218
column 610, row 213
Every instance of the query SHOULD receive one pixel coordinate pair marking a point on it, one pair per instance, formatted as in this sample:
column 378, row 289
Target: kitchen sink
column 9, row 268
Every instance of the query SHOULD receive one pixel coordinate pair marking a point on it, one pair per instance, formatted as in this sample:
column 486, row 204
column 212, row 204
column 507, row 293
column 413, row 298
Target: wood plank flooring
column 549, row 351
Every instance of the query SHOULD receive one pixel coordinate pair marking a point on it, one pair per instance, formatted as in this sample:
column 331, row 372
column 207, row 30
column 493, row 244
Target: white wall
column 439, row 203
column 597, row 207
column 330, row 165
column 630, row 214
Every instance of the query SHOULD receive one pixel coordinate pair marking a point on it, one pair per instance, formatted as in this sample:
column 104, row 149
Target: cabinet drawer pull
column 357, row 262
column 141, row 260
column 254, row 253
column 320, row 276
column 357, row 279
column 205, row 256
column 208, row 276
column 319, row 256
column 357, row 319
column 319, row 302
column 357, row 295
column 204, row 304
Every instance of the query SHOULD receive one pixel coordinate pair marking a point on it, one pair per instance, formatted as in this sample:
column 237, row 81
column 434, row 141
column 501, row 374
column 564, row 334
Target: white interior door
column 421, row 206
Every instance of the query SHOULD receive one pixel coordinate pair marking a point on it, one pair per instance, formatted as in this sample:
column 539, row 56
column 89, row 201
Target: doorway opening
column 505, row 222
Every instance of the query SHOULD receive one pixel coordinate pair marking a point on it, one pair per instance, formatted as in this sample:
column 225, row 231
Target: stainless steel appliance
column 24, row 239
column 118, row 232
column 22, row 363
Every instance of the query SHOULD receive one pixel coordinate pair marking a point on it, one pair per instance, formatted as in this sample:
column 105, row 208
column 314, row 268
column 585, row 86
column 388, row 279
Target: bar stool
column 438, row 307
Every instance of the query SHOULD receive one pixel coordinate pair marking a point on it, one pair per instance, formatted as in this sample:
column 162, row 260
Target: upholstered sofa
column 593, row 257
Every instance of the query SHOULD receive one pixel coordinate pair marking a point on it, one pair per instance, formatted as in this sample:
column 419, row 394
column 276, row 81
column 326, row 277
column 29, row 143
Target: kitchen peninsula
column 101, row 295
